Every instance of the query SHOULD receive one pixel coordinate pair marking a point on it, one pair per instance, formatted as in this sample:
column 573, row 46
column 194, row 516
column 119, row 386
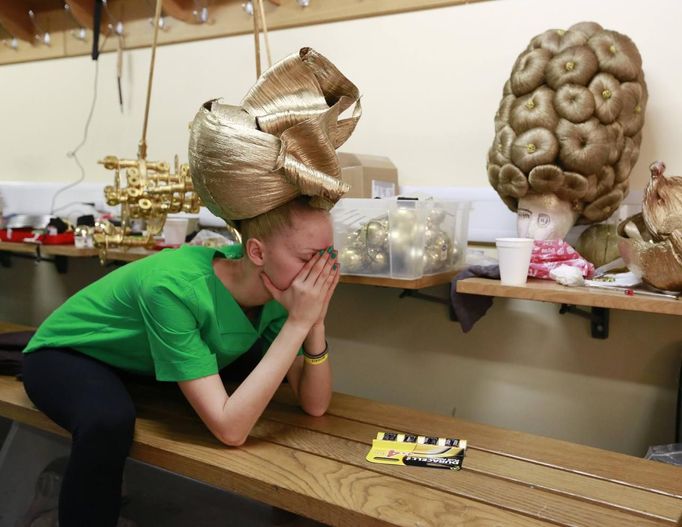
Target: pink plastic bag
column 550, row 254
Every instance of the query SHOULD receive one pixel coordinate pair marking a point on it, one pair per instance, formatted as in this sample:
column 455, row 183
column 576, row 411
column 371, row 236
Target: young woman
column 270, row 166
column 182, row 315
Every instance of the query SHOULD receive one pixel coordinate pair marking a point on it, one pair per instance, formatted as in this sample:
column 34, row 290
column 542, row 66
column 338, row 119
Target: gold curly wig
column 570, row 121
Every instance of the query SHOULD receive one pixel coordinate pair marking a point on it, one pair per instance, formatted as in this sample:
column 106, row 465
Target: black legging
column 89, row 399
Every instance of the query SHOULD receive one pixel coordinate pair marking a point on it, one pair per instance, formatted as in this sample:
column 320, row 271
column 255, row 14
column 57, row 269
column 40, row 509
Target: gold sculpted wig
column 279, row 144
column 570, row 121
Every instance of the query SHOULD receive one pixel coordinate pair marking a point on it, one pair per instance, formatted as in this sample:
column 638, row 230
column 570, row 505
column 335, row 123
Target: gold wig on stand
column 280, row 143
column 569, row 126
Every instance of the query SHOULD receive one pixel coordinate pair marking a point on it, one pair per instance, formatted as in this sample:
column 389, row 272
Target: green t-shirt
column 166, row 315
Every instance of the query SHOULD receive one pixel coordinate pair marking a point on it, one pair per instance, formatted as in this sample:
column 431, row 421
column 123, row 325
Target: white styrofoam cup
column 514, row 257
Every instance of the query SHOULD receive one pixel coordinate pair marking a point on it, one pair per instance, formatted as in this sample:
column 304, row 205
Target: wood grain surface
column 316, row 467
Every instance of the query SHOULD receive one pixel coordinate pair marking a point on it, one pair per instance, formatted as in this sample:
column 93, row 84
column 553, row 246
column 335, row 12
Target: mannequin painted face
column 544, row 217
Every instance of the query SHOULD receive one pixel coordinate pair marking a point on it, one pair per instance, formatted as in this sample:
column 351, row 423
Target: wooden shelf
column 136, row 253
column 546, row 291
column 129, row 255
column 66, row 250
column 414, row 283
column 124, row 255
column 9, row 327
column 21, row 248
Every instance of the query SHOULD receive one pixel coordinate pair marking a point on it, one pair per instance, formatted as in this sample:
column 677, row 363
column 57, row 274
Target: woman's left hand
column 323, row 313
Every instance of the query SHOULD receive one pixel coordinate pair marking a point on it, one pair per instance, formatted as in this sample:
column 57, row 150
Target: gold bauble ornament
column 376, row 234
column 430, row 235
column 441, row 243
column 454, row 252
column 378, row 262
column 351, row 260
column 432, row 260
column 403, row 216
column 435, row 217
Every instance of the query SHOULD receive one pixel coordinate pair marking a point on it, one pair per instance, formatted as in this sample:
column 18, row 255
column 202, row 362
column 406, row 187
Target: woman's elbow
column 315, row 411
column 232, row 439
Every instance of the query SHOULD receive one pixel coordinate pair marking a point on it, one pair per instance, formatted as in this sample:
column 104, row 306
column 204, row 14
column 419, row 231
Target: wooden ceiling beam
column 181, row 10
column 14, row 18
column 84, row 13
column 184, row 9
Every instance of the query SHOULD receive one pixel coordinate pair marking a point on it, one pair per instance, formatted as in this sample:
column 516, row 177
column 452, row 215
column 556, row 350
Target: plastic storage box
column 400, row 237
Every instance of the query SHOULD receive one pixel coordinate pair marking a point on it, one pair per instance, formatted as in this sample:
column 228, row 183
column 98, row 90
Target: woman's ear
column 254, row 249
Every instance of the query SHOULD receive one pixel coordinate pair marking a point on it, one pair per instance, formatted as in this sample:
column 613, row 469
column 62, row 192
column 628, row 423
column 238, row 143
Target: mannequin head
column 544, row 217
column 570, row 122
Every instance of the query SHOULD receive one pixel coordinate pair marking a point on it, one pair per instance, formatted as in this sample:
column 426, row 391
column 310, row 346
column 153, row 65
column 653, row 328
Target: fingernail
column 330, row 249
column 334, row 267
column 321, row 252
column 334, row 254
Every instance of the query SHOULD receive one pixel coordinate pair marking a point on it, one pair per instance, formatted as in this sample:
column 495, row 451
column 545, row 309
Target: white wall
column 431, row 82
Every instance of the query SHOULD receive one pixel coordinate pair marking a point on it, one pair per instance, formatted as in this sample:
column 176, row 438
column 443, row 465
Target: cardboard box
column 369, row 176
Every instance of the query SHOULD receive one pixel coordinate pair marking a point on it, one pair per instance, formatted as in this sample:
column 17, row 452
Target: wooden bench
column 316, row 467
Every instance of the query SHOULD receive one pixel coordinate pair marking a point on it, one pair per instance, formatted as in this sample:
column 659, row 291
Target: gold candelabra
column 151, row 192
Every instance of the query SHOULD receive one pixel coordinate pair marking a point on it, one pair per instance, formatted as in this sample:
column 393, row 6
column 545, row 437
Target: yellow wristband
column 317, row 360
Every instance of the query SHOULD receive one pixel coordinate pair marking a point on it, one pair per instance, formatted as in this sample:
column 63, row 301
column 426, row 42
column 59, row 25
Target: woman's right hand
column 305, row 298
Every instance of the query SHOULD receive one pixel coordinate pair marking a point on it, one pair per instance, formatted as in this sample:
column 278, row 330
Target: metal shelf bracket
column 598, row 317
